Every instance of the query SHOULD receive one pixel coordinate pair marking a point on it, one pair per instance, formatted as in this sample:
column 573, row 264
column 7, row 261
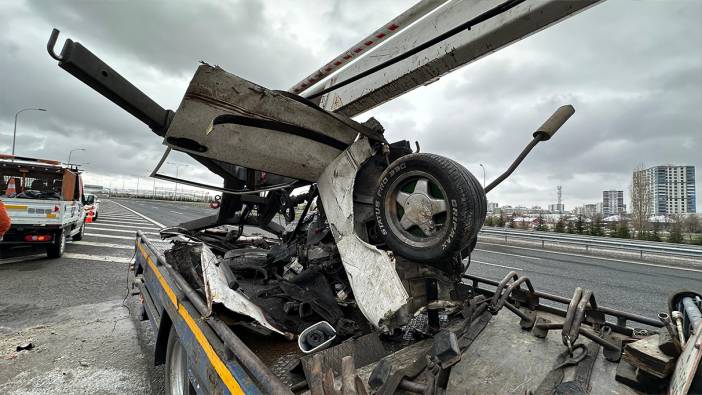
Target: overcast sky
column 632, row 69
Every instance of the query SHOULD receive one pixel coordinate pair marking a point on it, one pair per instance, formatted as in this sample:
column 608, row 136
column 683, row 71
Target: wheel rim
column 416, row 209
column 177, row 370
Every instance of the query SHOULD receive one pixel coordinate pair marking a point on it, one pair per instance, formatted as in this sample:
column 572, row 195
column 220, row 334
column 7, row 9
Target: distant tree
column 611, row 228
column 699, row 240
column 500, row 221
column 655, row 236
column 692, row 225
column 560, row 226
column 643, row 235
column 596, row 226
column 541, row 224
column 510, row 223
column 579, row 225
column 489, row 221
column 676, row 229
column 622, row 231
column 570, row 227
column 641, row 200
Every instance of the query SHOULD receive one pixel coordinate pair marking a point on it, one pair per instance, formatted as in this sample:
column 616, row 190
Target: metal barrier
column 597, row 242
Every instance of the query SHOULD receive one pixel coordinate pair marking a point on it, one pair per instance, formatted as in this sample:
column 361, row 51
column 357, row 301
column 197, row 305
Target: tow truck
column 44, row 200
column 368, row 289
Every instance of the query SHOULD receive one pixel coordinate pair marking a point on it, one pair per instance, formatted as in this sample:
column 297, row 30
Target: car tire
column 428, row 207
column 95, row 217
column 58, row 246
column 177, row 381
column 79, row 236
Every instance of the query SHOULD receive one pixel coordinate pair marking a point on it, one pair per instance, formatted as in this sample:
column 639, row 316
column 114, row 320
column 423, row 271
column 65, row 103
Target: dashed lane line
column 688, row 269
column 103, row 245
column 112, row 236
column 119, row 222
column 25, row 258
column 120, row 230
column 148, row 226
column 140, row 214
column 98, row 258
column 508, row 254
column 495, row 264
column 121, row 218
column 69, row 255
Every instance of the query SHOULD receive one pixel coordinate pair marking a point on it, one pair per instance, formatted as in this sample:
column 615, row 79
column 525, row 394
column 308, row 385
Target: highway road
column 86, row 340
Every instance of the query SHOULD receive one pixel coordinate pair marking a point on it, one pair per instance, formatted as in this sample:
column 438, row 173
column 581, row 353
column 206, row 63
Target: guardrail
column 597, row 242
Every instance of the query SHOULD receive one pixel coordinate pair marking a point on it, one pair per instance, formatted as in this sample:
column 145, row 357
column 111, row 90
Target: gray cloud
column 632, row 69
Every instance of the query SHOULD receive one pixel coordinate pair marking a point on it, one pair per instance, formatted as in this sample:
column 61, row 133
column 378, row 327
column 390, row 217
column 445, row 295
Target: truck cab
column 45, row 202
column 92, row 207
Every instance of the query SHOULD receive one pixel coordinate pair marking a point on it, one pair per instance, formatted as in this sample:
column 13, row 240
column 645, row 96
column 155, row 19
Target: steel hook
column 52, row 43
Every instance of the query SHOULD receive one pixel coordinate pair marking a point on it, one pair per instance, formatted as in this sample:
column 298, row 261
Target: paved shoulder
column 84, row 339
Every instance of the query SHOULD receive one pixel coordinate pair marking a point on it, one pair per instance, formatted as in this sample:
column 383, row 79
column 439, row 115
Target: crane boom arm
column 433, row 62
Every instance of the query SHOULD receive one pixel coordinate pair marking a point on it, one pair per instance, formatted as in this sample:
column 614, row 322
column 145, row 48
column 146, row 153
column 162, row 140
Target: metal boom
column 519, row 20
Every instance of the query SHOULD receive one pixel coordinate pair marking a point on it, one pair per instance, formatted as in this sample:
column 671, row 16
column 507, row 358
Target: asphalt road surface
column 85, row 340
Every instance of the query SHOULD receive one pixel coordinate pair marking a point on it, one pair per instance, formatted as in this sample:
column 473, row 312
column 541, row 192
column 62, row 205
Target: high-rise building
column 590, row 210
column 613, row 203
column 491, row 206
column 556, row 208
column 672, row 189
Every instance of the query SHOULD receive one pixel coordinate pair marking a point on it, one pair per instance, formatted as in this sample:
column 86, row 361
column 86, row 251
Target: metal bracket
column 164, row 177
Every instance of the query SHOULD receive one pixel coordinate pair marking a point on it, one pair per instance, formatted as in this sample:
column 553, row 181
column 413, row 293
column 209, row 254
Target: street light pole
column 71, row 153
column 14, row 133
column 178, row 166
column 481, row 165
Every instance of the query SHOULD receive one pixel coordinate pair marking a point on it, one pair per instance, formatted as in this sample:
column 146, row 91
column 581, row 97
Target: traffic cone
column 11, row 189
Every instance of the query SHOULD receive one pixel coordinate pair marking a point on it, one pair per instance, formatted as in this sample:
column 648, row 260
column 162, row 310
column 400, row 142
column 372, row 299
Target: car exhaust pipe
column 543, row 133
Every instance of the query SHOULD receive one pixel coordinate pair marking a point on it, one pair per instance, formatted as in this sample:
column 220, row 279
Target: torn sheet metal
column 376, row 286
column 217, row 291
column 308, row 140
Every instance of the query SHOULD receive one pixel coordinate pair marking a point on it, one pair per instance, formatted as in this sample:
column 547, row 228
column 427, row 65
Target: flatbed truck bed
column 504, row 358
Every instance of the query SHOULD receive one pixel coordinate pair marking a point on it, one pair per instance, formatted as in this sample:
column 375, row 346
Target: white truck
column 44, row 200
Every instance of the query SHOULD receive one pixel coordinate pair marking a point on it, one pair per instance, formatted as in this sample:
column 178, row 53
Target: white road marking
column 98, row 258
column 121, row 222
column 111, row 236
column 70, row 255
column 495, row 264
column 597, row 257
column 120, row 230
column 504, row 253
column 148, row 225
column 177, row 212
column 104, row 245
column 141, row 215
column 25, row 258
column 121, row 218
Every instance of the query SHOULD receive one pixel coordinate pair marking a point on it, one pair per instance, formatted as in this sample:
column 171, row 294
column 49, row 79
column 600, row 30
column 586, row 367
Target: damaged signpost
column 366, row 290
